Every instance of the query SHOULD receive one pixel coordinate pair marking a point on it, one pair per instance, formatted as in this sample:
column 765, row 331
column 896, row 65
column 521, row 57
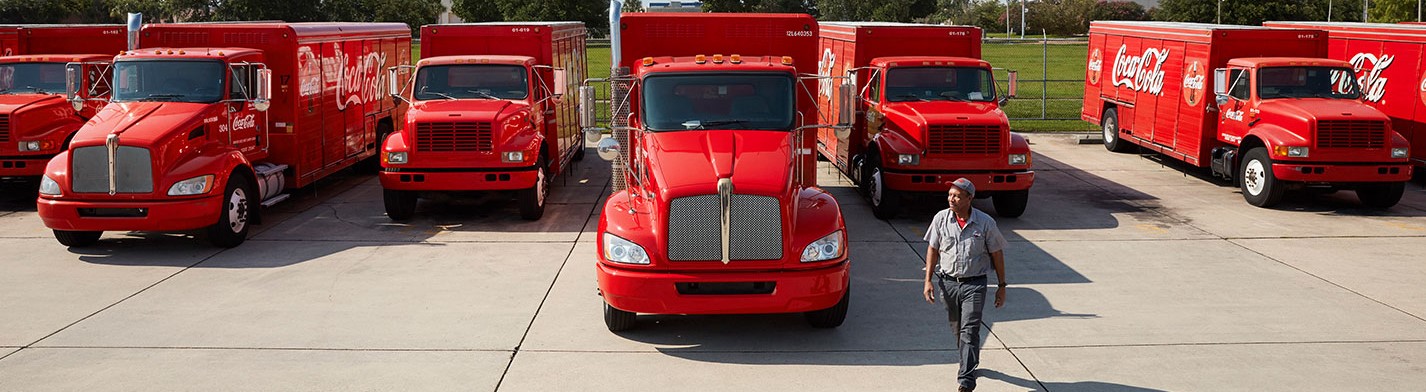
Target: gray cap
column 965, row 185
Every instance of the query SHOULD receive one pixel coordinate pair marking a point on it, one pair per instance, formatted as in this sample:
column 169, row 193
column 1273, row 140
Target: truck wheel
column 1011, row 204
column 232, row 227
column 1259, row 186
column 618, row 320
column 400, row 205
column 77, row 239
column 1110, row 124
column 1381, row 195
column 885, row 202
column 532, row 199
column 830, row 317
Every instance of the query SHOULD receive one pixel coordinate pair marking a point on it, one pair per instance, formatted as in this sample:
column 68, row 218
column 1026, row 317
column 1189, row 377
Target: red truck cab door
column 1237, row 112
column 246, row 124
column 871, row 100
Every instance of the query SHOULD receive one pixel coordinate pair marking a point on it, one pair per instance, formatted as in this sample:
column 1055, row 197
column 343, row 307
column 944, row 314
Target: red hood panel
column 686, row 163
column 457, row 110
column 158, row 118
column 13, row 103
column 946, row 111
column 1321, row 108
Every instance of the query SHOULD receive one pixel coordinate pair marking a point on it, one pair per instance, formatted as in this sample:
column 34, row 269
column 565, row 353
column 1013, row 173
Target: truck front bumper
column 1341, row 173
column 462, row 180
column 130, row 215
column 940, row 181
column 659, row 291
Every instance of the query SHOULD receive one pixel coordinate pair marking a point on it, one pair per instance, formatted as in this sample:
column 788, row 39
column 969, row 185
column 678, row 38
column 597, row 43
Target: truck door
column 1233, row 116
column 245, row 122
column 873, row 120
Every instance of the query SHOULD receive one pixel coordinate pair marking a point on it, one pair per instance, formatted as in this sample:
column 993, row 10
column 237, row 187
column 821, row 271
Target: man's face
column 958, row 199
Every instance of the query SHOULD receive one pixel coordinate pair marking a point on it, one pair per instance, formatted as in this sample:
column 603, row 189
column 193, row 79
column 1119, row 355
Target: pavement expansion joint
column 1206, row 344
column 220, row 348
column 1345, row 288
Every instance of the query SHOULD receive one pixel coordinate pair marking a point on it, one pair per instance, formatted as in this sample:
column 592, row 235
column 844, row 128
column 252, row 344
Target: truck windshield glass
column 168, row 81
column 939, row 84
column 718, row 101
column 471, row 81
column 1307, row 82
column 29, row 78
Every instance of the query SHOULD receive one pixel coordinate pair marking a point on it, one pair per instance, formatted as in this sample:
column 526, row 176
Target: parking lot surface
column 1128, row 273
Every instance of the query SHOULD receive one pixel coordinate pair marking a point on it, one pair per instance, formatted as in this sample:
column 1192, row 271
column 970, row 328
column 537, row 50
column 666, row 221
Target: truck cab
column 930, row 120
column 1300, row 122
column 36, row 122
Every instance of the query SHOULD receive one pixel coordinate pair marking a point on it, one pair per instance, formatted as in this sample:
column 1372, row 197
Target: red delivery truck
column 487, row 113
column 928, row 113
column 35, row 121
column 715, row 208
column 1276, row 121
column 1386, row 59
column 209, row 122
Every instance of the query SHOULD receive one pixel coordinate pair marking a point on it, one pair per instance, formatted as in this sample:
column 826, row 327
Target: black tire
column 1255, row 177
column 1011, row 204
column 885, row 202
column 532, row 199
column 579, row 148
column 831, row 317
column 1381, row 195
column 618, row 320
column 234, row 214
column 400, row 205
column 1109, row 126
column 77, row 239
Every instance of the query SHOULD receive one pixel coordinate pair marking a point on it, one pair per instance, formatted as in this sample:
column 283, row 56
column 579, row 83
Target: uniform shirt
column 965, row 252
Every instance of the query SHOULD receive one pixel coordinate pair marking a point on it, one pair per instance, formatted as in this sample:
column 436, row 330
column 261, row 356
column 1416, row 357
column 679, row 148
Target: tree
column 1064, row 17
column 413, row 13
column 1119, row 10
column 779, row 6
column 284, row 10
column 477, row 10
column 32, row 11
column 1392, row 11
column 633, row 6
column 1254, row 12
column 882, row 11
column 164, row 10
column 594, row 14
column 989, row 15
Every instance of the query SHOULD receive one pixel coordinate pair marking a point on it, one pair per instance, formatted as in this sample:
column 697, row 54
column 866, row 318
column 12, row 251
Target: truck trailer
column 487, row 113
column 715, row 208
column 928, row 112
column 1276, row 121
column 210, row 122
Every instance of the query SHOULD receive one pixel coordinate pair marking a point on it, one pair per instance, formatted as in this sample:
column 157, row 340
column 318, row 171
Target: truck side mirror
column 1014, row 84
column 392, row 85
column 1220, row 81
column 561, row 82
column 72, row 81
column 264, row 90
column 846, row 103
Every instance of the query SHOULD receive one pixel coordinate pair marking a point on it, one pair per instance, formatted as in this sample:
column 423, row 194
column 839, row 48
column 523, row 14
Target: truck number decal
column 1142, row 73
column 804, row 33
column 1368, row 69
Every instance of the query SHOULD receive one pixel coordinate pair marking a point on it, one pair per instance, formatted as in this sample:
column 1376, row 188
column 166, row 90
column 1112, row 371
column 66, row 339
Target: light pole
column 1329, row 10
column 1364, row 10
column 1220, row 12
column 1007, row 19
column 1023, row 10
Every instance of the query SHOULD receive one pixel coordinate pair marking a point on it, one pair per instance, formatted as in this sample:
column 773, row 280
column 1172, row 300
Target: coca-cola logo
column 1096, row 64
column 245, row 122
column 1368, row 68
column 1144, row 73
column 1193, row 83
column 309, row 72
column 354, row 79
column 1422, row 89
column 824, row 72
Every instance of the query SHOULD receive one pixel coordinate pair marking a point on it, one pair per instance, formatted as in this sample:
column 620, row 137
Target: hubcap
column 540, row 189
column 1109, row 131
column 876, row 187
column 1254, row 177
column 238, row 210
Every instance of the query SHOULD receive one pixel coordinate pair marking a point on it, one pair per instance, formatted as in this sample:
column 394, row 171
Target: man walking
column 964, row 244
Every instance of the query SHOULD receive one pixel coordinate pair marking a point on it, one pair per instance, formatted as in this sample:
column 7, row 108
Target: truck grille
column 90, row 174
column 964, row 139
column 4, row 127
column 1351, row 134
column 695, row 233
column 454, row 137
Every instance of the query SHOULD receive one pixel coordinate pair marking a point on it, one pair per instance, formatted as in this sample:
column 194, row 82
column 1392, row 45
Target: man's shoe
column 964, row 389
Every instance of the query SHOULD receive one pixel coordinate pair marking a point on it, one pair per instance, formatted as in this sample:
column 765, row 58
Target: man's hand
column 1000, row 297
column 930, row 293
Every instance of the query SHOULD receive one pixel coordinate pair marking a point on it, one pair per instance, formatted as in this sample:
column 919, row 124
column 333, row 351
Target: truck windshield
column 168, row 81
column 718, row 101
column 939, row 84
column 1307, row 82
column 28, row 78
column 471, row 81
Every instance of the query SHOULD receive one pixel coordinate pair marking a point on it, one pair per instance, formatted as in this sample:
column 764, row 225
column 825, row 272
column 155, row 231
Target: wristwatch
column 1002, row 284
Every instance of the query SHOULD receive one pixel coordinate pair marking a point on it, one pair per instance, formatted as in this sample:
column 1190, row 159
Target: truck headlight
column 193, row 186
column 29, row 146
column 908, row 159
column 512, row 156
column 396, row 158
column 1293, row 152
column 48, row 186
column 826, row 248
column 1399, row 152
column 1018, row 159
column 620, row 250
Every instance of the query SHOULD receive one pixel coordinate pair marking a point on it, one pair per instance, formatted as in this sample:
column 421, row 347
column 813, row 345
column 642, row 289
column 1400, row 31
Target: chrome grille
column 964, row 139
column 1351, row 134
column 90, row 173
column 694, row 231
column 454, row 137
column 4, row 127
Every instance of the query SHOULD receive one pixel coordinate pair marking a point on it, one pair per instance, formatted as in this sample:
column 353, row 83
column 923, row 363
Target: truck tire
column 1011, row 204
column 830, row 317
column 1255, row 176
column 885, row 202
column 77, row 239
column 1381, row 195
column 233, row 215
column 1109, row 124
column 618, row 320
column 532, row 199
column 579, row 148
column 400, row 205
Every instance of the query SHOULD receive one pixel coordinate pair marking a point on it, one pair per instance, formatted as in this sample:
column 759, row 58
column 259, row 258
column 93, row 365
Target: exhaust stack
column 136, row 21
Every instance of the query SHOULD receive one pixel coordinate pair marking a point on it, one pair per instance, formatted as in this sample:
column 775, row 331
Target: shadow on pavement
column 1045, row 386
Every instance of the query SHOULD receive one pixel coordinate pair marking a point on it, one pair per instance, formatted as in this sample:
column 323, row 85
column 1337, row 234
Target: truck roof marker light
column 735, row 59
column 700, row 59
column 786, row 60
column 648, row 61
column 717, row 59
column 181, row 52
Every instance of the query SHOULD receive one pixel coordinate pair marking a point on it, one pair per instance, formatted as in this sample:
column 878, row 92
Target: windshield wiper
column 37, row 90
column 482, row 94
column 912, row 96
column 164, row 97
column 696, row 124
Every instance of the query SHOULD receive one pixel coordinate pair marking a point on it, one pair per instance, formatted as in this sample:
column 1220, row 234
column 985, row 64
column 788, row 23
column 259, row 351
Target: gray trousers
column 964, row 303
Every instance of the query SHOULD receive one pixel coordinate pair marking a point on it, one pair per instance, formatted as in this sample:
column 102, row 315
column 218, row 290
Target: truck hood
column 11, row 104
column 459, row 109
column 159, row 120
column 1307, row 109
column 913, row 117
column 688, row 163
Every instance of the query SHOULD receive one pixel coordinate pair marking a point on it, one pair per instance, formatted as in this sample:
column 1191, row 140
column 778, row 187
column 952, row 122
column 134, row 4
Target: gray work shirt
column 965, row 252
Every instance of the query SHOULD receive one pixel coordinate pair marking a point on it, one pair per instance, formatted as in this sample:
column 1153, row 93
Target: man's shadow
column 1042, row 386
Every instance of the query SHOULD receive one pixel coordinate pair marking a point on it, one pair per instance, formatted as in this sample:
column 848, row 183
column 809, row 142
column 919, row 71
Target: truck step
column 275, row 200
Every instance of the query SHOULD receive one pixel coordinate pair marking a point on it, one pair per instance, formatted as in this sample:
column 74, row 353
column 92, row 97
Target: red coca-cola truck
column 487, row 114
column 1277, row 119
column 1389, row 71
column 928, row 112
column 35, row 121
column 208, row 123
column 715, row 208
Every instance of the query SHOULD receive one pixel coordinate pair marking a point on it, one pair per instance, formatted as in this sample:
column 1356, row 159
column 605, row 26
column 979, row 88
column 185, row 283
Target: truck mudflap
column 177, row 215
column 700, row 292
column 459, row 180
column 940, row 181
column 1341, row 173
column 23, row 166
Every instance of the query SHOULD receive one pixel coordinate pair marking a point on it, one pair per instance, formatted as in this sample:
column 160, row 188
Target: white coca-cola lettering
column 1143, row 73
column 824, row 72
column 1195, row 83
column 1368, row 68
column 244, row 122
column 309, row 72
column 358, row 79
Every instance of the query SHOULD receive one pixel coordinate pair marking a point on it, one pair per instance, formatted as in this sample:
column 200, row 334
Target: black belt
column 960, row 279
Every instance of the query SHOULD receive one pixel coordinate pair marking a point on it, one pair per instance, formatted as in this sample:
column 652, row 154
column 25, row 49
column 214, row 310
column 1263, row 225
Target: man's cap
column 965, row 185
